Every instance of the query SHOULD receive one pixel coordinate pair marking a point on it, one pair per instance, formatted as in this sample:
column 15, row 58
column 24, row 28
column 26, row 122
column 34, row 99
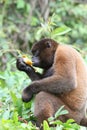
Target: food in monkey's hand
column 27, row 60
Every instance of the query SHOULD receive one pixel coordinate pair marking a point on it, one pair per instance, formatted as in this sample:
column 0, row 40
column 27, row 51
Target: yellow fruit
column 26, row 60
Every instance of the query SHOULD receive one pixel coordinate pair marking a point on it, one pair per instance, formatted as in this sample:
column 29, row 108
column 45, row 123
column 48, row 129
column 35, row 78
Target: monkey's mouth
column 36, row 61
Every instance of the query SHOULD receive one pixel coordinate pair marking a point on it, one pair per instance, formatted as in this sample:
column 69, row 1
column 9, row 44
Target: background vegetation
column 22, row 23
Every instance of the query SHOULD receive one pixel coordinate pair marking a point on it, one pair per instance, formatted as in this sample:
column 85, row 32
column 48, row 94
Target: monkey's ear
column 48, row 44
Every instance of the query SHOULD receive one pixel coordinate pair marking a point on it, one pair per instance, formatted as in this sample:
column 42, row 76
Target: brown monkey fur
column 63, row 82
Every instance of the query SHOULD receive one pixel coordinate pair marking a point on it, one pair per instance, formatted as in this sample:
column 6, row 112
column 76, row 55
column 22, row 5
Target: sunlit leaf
column 15, row 117
column 61, row 30
column 45, row 125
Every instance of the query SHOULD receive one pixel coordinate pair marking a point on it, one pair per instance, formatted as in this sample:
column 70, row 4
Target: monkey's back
column 77, row 98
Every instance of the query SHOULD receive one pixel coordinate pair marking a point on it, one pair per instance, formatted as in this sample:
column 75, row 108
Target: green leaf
column 2, row 77
column 61, row 30
column 15, row 117
column 28, row 8
column 50, row 118
column 17, row 102
column 45, row 125
column 56, row 122
column 60, row 112
column 20, row 4
column 70, row 121
column 14, row 97
column 64, row 112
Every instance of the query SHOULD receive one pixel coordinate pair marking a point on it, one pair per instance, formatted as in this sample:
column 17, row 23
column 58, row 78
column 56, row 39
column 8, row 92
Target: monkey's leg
column 47, row 104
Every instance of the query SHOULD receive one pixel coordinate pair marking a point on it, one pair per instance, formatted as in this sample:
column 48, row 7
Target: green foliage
column 12, row 83
column 14, row 114
column 13, row 124
column 51, row 30
column 21, row 24
column 59, row 125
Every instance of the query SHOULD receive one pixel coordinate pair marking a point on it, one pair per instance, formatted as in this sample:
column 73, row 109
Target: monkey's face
column 43, row 53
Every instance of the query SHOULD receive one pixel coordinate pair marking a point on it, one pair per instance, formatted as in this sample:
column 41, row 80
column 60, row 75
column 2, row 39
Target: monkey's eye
column 48, row 44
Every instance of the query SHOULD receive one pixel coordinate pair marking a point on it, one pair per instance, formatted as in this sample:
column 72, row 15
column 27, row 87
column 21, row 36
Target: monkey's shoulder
column 67, row 52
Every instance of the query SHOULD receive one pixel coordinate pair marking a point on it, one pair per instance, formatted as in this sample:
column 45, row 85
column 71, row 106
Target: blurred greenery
column 22, row 23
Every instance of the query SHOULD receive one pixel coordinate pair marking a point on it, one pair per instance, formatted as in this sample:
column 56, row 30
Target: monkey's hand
column 27, row 94
column 29, row 91
column 22, row 66
column 28, row 69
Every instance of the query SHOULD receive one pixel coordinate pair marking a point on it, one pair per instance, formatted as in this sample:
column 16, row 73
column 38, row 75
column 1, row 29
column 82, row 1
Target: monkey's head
column 43, row 53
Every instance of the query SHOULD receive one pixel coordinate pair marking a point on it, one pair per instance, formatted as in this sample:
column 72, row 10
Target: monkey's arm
column 29, row 70
column 63, row 81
